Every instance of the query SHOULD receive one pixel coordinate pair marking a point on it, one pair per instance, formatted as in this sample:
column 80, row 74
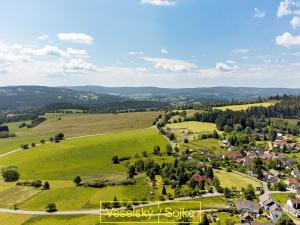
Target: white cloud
column 223, row 67
column 295, row 22
column 171, row 65
column 240, row 51
column 159, row 2
column 136, row 53
column 81, row 53
column 50, row 50
column 164, row 51
column 80, row 38
column 288, row 40
column 43, row 37
column 259, row 13
column 47, row 50
column 78, row 66
column 288, row 7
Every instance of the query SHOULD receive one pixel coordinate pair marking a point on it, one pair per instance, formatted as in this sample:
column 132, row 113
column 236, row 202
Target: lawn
column 230, row 179
column 281, row 198
column 245, row 106
column 195, row 127
column 89, row 157
column 76, row 125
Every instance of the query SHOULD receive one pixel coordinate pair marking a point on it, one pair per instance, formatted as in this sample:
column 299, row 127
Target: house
column 266, row 201
column 295, row 203
column 275, row 173
column 295, row 173
column 235, row 155
column 247, row 206
column 267, row 156
column 246, row 217
column 248, row 161
column 291, row 210
column 275, row 212
column 292, row 183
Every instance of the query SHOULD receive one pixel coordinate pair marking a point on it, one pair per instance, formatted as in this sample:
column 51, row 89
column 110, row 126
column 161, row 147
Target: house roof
column 265, row 199
column 247, row 206
column 261, row 223
column 292, row 181
column 274, row 207
column 295, row 201
column 233, row 155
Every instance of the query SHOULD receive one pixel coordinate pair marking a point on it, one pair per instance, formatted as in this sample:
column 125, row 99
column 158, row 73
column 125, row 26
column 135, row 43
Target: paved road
column 97, row 211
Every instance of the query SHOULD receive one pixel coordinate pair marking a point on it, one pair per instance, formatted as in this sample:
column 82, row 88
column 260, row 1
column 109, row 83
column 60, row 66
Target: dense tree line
column 252, row 118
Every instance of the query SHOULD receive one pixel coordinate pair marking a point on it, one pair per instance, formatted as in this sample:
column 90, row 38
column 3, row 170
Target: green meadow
column 195, row 127
column 245, row 106
column 89, row 157
column 75, row 125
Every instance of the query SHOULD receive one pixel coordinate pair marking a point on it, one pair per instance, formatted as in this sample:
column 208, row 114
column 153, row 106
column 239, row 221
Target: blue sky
column 166, row 43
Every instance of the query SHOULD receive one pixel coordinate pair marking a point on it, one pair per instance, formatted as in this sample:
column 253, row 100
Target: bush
column 51, row 207
column 24, row 146
column 10, row 173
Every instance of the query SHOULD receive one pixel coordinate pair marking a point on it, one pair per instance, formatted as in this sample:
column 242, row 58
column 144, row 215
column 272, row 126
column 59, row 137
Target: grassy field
column 76, row 125
column 13, row 219
column 195, row 127
column 89, row 157
column 210, row 144
column 69, row 197
column 230, row 179
column 245, row 106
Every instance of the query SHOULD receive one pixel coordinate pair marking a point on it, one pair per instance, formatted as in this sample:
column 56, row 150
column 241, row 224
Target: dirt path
column 97, row 211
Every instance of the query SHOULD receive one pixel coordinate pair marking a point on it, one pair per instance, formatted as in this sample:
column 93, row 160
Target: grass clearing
column 76, row 125
column 89, row 157
column 195, row 127
column 246, row 106
column 76, row 198
column 210, row 144
column 231, row 179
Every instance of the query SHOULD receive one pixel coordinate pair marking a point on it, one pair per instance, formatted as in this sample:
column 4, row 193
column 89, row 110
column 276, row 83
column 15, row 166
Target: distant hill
column 213, row 93
column 32, row 97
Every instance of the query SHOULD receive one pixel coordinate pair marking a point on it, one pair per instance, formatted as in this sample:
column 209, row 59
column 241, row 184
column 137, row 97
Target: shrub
column 10, row 173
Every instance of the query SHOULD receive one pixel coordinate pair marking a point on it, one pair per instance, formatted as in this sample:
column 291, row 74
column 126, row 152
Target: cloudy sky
column 164, row 43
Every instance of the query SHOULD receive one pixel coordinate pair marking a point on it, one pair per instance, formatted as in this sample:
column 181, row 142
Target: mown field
column 230, row 180
column 210, row 144
column 76, row 125
column 245, row 106
column 195, row 127
column 89, row 157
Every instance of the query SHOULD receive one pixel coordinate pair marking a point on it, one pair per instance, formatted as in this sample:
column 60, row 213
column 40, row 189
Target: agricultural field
column 195, row 127
column 75, row 125
column 230, row 180
column 210, row 144
column 13, row 219
column 246, row 106
column 63, row 161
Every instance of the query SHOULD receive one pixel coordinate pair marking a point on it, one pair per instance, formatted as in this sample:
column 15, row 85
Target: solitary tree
column 115, row 160
column 46, row 185
column 164, row 191
column 77, row 180
column 51, row 207
column 10, row 173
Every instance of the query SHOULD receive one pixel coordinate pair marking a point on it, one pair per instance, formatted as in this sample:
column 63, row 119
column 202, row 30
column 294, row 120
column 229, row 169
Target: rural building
column 247, row 206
